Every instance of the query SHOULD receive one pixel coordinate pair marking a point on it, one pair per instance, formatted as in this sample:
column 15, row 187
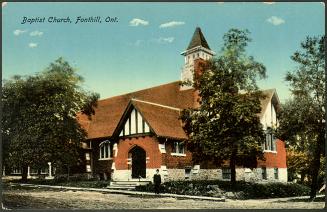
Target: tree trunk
column 68, row 172
column 39, row 173
column 315, row 166
column 232, row 165
column 24, row 173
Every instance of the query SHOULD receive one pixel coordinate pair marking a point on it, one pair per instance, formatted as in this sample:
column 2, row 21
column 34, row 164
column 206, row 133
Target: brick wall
column 149, row 143
column 99, row 167
column 275, row 159
column 173, row 161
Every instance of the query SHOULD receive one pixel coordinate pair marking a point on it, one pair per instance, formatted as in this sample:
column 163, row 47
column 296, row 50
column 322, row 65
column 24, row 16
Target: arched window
column 105, row 150
column 270, row 142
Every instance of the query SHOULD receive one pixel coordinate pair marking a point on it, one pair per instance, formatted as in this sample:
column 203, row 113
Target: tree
column 298, row 163
column 226, row 125
column 39, row 117
column 302, row 121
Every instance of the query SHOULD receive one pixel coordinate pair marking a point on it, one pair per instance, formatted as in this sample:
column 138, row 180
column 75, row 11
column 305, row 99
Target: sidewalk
column 124, row 192
column 140, row 193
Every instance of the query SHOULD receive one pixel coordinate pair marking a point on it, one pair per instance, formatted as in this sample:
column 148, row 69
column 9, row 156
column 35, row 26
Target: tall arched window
column 105, row 150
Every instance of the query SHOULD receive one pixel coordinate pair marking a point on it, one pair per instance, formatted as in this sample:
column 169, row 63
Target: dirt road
column 59, row 199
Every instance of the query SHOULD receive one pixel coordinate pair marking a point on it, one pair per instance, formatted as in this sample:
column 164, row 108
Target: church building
column 132, row 135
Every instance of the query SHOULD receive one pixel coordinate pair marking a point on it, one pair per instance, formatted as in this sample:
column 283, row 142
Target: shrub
column 242, row 190
column 72, row 182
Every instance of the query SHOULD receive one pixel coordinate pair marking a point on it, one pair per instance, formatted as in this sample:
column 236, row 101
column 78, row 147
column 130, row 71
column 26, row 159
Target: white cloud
column 36, row 33
column 171, row 24
column 162, row 40
column 275, row 20
column 32, row 45
column 19, row 32
column 4, row 4
column 137, row 22
column 269, row 2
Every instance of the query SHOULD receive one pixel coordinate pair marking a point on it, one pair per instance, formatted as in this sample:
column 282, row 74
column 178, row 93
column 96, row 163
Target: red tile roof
column 109, row 111
column 163, row 120
column 159, row 105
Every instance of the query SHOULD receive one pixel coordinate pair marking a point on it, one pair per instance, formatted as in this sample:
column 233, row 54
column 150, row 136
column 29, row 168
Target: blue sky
column 143, row 48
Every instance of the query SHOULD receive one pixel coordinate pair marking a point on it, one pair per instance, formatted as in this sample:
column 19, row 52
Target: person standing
column 157, row 182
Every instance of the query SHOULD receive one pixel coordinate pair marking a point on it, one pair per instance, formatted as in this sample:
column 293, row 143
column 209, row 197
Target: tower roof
column 198, row 40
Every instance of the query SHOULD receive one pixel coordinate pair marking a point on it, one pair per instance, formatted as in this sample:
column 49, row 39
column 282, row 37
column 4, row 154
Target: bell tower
column 198, row 49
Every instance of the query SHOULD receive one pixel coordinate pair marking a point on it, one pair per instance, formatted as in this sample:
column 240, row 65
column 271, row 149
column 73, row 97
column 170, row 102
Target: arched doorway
column 138, row 156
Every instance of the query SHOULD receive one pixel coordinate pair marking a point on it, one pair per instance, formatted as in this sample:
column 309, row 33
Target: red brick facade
column 275, row 159
column 176, row 162
column 98, row 166
column 149, row 143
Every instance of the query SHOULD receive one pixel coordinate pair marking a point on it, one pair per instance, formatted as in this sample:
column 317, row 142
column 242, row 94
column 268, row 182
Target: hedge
column 242, row 190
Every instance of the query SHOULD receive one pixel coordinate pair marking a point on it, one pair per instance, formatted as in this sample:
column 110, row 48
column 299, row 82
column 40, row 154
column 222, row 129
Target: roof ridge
column 156, row 104
column 157, row 86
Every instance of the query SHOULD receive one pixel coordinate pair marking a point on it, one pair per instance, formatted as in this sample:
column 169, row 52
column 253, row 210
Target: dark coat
column 157, row 179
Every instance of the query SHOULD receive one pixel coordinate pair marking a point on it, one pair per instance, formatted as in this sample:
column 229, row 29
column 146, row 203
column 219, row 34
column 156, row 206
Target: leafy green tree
column 226, row 126
column 39, row 117
column 298, row 163
column 302, row 119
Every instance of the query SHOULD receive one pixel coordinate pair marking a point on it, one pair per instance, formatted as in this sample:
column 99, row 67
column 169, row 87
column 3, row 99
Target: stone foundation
column 242, row 174
column 126, row 175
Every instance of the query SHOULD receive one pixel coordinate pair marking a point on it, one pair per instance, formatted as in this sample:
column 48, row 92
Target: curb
column 125, row 192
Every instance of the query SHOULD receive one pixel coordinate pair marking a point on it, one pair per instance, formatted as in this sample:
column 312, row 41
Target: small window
column 178, row 147
column 264, row 173
column 105, row 150
column 162, row 148
column 88, row 168
column 226, row 173
column 187, row 173
column 87, row 156
column 276, row 173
